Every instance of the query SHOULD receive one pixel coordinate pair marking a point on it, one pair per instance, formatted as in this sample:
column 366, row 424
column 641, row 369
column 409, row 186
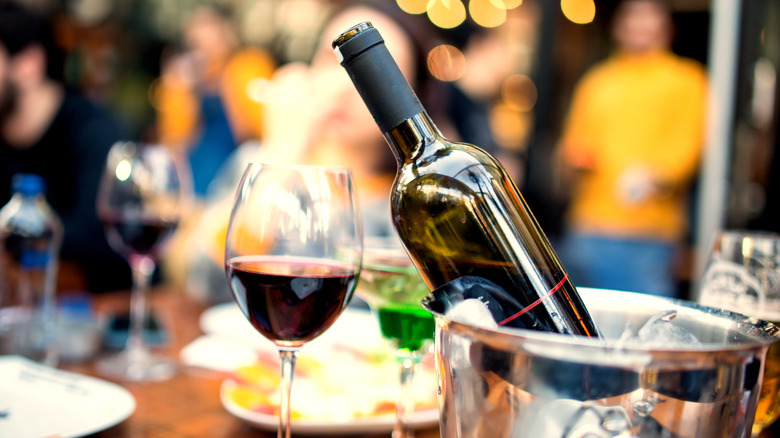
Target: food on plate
column 337, row 383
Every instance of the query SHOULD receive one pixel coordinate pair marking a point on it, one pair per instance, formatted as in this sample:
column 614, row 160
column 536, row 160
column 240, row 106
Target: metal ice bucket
column 521, row 383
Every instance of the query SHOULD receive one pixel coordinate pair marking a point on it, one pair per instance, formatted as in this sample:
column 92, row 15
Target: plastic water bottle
column 30, row 240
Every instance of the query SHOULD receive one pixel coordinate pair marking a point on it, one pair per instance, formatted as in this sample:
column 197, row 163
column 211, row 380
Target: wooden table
column 188, row 404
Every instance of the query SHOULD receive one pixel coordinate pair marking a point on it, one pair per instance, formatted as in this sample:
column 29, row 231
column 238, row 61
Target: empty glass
column 743, row 275
column 393, row 288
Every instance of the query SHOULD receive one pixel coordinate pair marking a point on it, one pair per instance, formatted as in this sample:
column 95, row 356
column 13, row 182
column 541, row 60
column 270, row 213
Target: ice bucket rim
column 759, row 332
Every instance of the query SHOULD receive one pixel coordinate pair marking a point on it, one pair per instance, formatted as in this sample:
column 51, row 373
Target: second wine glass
column 140, row 201
column 393, row 288
column 293, row 256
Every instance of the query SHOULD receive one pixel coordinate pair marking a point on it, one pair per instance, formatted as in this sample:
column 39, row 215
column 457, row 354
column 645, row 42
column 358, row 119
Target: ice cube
column 472, row 312
column 571, row 418
column 658, row 332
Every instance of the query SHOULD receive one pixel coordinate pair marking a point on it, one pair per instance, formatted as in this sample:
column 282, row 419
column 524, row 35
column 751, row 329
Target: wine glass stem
column 288, row 369
column 405, row 402
column 142, row 268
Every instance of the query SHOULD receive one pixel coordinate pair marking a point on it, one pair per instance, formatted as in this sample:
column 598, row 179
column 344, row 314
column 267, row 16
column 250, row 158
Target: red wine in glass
column 138, row 236
column 290, row 299
column 140, row 201
column 293, row 255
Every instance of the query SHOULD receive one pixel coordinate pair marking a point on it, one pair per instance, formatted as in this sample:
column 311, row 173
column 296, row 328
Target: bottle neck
column 410, row 138
column 36, row 198
column 377, row 77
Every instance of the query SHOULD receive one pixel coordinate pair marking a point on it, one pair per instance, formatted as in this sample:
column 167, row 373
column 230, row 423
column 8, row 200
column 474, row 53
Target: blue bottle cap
column 28, row 184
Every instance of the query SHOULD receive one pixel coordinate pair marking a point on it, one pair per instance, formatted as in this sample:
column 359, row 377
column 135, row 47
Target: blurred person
column 339, row 129
column 313, row 115
column 203, row 97
column 51, row 131
column 632, row 141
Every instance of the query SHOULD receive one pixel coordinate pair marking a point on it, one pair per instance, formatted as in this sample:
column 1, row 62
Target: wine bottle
column 461, row 218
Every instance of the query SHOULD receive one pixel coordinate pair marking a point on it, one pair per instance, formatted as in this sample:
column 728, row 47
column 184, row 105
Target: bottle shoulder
column 456, row 184
column 451, row 159
column 453, row 167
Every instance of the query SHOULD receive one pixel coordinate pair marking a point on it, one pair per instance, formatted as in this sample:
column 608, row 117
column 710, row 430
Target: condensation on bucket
column 520, row 383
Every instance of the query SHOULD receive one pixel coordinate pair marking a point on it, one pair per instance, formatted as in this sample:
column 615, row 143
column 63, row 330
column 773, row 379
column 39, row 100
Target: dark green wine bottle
column 458, row 213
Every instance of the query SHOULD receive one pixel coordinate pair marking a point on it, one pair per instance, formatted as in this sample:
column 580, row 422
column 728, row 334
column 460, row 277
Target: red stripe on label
column 537, row 302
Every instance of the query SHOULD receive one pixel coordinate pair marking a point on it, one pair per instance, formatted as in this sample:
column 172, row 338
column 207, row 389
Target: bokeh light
column 510, row 128
column 446, row 63
column 257, row 89
column 123, row 170
column 446, row 13
column 413, row 6
column 579, row 11
column 487, row 13
column 519, row 92
column 507, row 4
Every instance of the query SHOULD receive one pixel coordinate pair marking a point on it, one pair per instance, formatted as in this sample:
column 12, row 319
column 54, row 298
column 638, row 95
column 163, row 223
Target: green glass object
column 393, row 288
column 408, row 327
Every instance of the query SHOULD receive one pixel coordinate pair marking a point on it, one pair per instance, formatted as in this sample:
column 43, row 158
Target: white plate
column 227, row 320
column 355, row 329
column 383, row 424
column 39, row 401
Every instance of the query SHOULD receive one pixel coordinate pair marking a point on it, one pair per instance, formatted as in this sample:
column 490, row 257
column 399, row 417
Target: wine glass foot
column 137, row 367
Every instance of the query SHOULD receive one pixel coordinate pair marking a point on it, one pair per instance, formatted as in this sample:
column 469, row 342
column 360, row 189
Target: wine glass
column 743, row 275
column 393, row 288
column 139, row 202
column 293, row 256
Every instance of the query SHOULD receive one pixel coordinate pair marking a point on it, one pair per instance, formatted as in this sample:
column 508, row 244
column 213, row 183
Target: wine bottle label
column 34, row 259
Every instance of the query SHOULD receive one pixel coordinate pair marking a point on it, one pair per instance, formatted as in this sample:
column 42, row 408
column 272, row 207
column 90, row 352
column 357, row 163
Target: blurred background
column 518, row 59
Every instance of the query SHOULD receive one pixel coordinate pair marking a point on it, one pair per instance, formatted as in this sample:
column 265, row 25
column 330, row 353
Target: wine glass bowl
column 140, row 201
column 743, row 275
column 293, row 256
column 393, row 288
column 290, row 300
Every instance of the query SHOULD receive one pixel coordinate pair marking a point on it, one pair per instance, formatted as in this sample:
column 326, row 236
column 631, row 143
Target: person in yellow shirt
column 632, row 142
